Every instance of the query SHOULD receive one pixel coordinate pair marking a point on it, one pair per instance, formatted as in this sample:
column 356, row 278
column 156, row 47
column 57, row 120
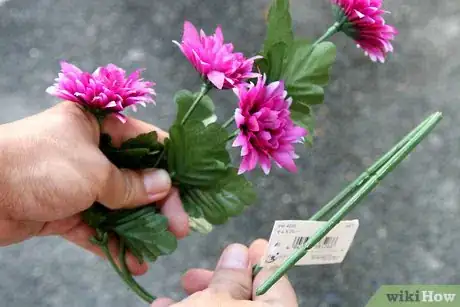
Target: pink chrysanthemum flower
column 107, row 90
column 266, row 128
column 214, row 59
column 362, row 20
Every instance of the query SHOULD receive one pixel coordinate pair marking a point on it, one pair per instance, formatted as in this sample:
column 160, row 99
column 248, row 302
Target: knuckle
column 242, row 288
column 238, row 286
column 106, row 174
column 107, row 183
column 129, row 186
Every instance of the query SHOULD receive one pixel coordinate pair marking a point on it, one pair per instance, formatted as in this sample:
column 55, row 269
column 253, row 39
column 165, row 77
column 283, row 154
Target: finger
column 129, row 189
column 257, row 251
column 281, row 294
column 12, row 232
column 121, row 132
column 162, row 302
column 232, row 275
column 178, row 219
column 81, row 234
column 61, row 226
column 196, row 280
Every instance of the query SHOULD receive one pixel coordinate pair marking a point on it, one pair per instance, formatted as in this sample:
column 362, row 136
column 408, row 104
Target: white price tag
column 288, row 236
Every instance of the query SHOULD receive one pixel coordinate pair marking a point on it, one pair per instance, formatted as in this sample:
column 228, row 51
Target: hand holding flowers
column 53, row 170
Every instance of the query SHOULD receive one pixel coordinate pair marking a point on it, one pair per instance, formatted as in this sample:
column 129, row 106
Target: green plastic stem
column 133, row 285
column 229, row 122
column 365, row 188
column 350, row 189
column 332, row 205
column 124, row 269
column 331, row 31
column 233, row 135
column 205, row 88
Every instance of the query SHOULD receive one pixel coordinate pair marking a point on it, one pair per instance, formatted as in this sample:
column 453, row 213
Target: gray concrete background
column 409, row 225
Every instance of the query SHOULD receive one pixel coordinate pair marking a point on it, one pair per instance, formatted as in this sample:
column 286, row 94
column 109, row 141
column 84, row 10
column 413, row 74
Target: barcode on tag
column 327, row 242
column 289, row 236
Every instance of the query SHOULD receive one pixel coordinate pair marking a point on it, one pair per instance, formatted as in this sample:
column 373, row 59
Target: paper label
column 288, row 236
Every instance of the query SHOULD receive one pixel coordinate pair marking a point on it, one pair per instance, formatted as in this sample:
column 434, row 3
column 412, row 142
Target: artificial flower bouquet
column 274, row 93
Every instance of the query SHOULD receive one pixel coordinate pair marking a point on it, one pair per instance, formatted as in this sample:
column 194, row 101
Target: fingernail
column 156, row 181
column 235, row 256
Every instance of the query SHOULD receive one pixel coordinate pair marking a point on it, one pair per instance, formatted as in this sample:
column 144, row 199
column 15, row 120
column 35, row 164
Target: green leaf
column 144, row 141
column 307, row 71
column 95, row 216
column 138, row 153
column 144, row 230
column 303, row 116
column 263, row 65
column 279, row 28
column 147, row 234
column 200, row 225
column 279, row 38
column 205, row 111
column 227, row 199
column 275, row 61
column 196, row 153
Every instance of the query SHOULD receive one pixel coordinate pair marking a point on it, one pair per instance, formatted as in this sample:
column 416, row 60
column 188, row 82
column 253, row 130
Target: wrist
column 7, row 150
column 3, row 171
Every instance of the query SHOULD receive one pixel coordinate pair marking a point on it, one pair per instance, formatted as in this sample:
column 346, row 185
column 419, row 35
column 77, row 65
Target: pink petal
column 111, row 104
column 253, row 124
column 69, row 68
column 239, row 118
column 240, row 140
column 248, row 162
column 285, row 160
column 121, row 117
column 51, row 90
column 217, row 78
column 369, row 28
column 273, row 87
column 265, row 163
column 360, row 15
column 190, row 32
column 108, row 88
column 219, row 34
column 214, row 58
column 244, row 165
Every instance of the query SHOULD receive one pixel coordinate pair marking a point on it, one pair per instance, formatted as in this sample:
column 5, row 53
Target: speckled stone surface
column 409, row 225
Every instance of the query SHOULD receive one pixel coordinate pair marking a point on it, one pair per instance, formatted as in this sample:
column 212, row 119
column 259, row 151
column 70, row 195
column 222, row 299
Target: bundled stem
column 103, row 241
column 350, row 189
column 144, row 294
column 355, row 193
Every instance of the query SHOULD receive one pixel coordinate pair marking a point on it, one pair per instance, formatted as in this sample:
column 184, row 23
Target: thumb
column 128, row 189
column 232, row 275
column 282, row 293
column 162, row 302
